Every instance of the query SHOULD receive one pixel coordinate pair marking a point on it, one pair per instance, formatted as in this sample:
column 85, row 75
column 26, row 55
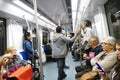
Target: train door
column 113, row 16
column 2, row 36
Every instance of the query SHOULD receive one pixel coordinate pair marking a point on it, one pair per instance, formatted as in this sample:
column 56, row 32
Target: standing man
column 87, row 33
column 59, row 50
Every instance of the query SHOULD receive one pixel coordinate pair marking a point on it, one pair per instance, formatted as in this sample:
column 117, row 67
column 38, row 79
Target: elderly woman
column 107, row 58
column 115, row 72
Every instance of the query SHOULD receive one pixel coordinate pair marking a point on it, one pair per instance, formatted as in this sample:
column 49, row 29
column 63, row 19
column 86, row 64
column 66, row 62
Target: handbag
column 88, row 76
column 13, row 69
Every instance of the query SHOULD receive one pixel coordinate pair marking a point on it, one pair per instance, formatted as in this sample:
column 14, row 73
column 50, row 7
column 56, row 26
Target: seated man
column 90, row 53
column 75, row 52
column 76, row 49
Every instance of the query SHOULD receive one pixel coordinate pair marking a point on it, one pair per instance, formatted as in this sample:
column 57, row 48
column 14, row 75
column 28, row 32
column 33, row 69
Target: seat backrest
column 24, row 55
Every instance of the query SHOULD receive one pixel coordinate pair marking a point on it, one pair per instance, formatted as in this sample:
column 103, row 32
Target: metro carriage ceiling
column 57, row 11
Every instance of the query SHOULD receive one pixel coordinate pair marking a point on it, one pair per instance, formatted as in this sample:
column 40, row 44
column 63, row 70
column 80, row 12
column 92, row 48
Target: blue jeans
column 60, row 65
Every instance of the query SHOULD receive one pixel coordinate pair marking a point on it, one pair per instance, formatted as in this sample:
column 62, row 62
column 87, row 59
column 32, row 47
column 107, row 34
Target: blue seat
column 24, row 55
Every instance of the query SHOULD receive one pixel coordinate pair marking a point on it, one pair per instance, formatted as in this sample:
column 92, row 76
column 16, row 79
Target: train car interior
column 41, row 17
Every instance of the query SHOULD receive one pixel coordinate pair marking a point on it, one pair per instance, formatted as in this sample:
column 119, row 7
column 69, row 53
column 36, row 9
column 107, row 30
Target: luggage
column 23, row 73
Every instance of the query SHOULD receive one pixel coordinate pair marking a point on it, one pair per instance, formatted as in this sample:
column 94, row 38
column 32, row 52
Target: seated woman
column 115, row 72
column 106, row 58
column 8, row 61
column 16, row 58
column 4, row 60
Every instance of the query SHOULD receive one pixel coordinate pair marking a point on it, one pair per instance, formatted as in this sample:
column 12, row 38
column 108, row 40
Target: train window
column 113, row 17
column 45, row 37
column 116, row 25
column 2, row 36
column 34, row 38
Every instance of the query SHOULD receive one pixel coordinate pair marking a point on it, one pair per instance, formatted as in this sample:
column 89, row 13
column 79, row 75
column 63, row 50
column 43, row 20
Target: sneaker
column 62, row 77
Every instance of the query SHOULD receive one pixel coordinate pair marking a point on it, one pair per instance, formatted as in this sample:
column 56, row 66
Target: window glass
column 45, row 37
column 112, row 9
column 2, row 36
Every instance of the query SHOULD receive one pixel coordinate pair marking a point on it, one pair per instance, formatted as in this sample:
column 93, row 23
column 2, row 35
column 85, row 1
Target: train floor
column 50, row 69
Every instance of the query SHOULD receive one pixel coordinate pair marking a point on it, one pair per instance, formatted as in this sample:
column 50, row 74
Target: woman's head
column 108, row 44
column 27, row 36
column 118, row 49
column 117, row 68
column 11, row 50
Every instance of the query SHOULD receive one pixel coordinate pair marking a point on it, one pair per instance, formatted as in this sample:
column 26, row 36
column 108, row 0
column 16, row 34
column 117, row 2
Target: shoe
column 62, row 77
column 66, row 67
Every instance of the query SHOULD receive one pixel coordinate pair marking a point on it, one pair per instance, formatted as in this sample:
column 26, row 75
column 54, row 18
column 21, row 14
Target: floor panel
column 50, row 69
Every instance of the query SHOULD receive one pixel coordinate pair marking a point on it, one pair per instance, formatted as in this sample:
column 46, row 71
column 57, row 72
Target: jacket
column 107, row 63
column 59, row 45
column 28, row 48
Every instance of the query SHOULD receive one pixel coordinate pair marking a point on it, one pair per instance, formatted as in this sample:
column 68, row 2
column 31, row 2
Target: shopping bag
column 43, row 56
column 23, row 73
column 91, row 54
column 14, row 68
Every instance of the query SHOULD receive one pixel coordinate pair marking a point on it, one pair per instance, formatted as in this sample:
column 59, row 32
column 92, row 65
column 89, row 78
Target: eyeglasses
column 104, row 43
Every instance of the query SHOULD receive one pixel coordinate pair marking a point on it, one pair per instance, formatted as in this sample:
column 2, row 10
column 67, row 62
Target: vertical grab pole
column 80, row 54
column 59, row 22
column 38, row 39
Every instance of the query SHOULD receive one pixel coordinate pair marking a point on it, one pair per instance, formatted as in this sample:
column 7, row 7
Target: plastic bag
column 43, row 55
